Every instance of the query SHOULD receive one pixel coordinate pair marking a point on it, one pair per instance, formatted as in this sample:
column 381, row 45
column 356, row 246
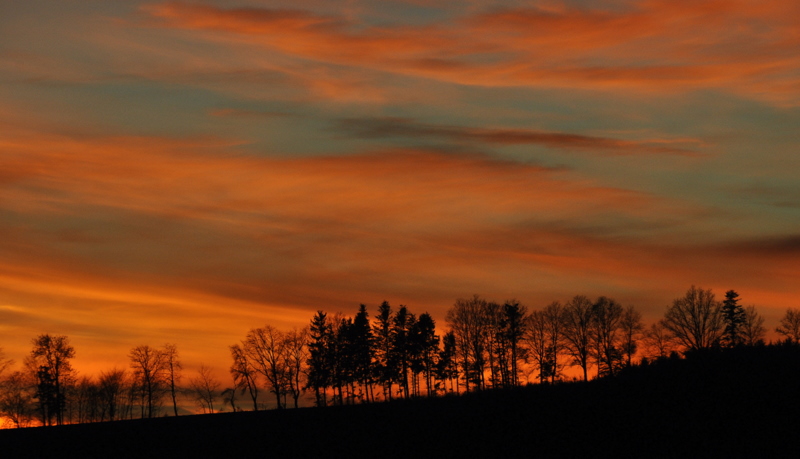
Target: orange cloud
column 123, row 240
column 742, row 46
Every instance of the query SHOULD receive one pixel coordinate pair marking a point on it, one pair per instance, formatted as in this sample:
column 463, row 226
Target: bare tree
column 17, row 391
column 112, row 393
column 173, row 367
column 537, row 341
column 5, row 362
column 86, row 400
column 752, row 329
column 790, row 325
column 296, row 355
column 205, row 388
column 631, row 328
column 695, row 320
column 658, row 341
column 245, row 376
column 150, row 377
column 467, row 320
column 606, row 323
column 577, row 320
column 265, row 347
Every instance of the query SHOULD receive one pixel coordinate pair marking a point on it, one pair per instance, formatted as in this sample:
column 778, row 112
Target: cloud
column 403, row 127
column 142, row 233
column 656, row 46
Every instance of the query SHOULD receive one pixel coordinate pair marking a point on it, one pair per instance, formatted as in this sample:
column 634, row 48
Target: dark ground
column 737, row 403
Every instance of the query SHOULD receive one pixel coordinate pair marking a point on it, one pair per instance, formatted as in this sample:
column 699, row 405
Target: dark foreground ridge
column 733, row 403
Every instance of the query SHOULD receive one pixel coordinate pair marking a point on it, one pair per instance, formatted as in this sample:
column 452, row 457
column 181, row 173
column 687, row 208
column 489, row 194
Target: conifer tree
column 319, row 365
column 734, row 317
column 363, row 351
column 384, row 370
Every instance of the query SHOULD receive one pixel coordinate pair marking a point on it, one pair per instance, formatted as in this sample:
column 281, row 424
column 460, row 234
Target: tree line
column 394, row 354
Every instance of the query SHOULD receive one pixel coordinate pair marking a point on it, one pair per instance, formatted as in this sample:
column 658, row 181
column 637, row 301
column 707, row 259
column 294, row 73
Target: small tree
column 631, row 328
column 753, row 330
column 790, row 325
column 112, row 393
column 173, row 368
column 245, row 377
column 17, row 391
column 658, row 341
column 205, row 388
column 296, row 355
column 446, row 365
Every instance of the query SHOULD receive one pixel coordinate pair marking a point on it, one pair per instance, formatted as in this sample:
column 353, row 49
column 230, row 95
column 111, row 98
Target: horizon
column 175, row 172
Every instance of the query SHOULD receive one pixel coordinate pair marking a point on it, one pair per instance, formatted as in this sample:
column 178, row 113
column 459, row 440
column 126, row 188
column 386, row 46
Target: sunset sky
column 185, row 171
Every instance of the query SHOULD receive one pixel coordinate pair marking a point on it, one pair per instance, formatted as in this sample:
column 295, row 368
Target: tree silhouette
column 606, row 323
column 790, row 325
column 5, row 362
column 265, row 347
column 319, row 364
column 467, row 319
column 695, row 320
column 16, row 398
column 384, row 368
column 173, row 367
column 753, row 330
column 49, row 361
column 733, row 316
column 296, row 355
column 427, row 342
column 578, row 319
column 402, row 325
column 245, row 376
column 205, row 388
column 150, row 377
column 658, row 341
column 363, row 351
column 631, row 329
column 513, row 320
column 446, row 365
column 112, row 385
column 538, row 343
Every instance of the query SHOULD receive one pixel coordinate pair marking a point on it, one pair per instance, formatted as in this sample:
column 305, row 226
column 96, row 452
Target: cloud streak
column 654, row 46
column 379, row 128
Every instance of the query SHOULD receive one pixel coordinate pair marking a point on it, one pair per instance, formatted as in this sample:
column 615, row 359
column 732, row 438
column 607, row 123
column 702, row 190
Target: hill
column 733, row 403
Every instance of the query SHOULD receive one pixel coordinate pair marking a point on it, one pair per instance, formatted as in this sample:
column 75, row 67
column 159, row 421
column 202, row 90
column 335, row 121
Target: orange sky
column 184, row 171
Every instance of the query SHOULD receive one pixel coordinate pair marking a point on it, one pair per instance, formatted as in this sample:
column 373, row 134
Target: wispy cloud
column 404, row 127
column 653, row 46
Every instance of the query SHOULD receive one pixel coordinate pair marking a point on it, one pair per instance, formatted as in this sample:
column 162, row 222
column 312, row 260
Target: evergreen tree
column 363, row 351
column 427, row 343
column 384, row 370
column 734, row 317
column 319, row 365
column 401, row 349
column 511, row 330
column 446, row 365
